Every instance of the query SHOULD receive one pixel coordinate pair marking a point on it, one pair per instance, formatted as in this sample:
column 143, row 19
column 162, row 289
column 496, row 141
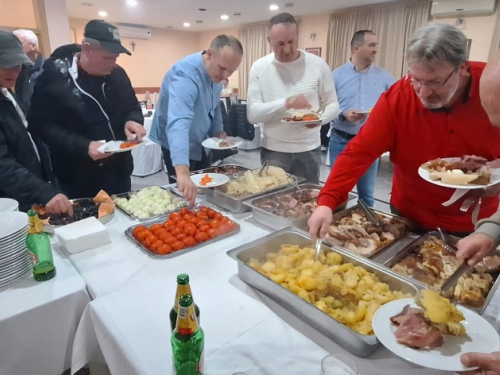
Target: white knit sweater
column 272, row 82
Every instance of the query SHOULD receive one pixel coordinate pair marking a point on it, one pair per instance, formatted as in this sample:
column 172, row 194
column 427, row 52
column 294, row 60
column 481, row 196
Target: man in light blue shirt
column 189, row 109
column 359, row 84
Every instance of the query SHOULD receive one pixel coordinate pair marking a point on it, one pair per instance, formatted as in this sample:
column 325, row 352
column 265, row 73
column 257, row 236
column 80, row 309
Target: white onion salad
column 149, row 202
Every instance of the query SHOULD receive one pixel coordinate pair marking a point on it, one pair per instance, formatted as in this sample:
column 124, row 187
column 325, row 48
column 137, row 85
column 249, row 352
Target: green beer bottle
column 187, row 340
column 182, row 288
column 38, row 244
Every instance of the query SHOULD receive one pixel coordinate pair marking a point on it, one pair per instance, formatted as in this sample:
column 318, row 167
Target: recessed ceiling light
column 186, row 24
column 132, row 3
column 273, row 7
column 224, row 17
column 102, row 14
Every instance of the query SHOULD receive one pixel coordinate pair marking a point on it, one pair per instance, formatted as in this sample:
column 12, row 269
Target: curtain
column 495, row 42
column 393, row 23
column 255, row 46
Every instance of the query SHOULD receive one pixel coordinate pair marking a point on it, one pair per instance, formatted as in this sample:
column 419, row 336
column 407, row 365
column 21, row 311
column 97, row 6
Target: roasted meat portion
column 291, row 205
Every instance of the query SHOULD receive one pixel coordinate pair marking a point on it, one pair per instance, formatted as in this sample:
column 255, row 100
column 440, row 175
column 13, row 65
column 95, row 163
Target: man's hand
column 353, row 115
column 475, row 247
column 297, row 102
column 185, row 185
column 319, row 222
column 221, row 135
column 131, row 128
column 489, row 364
column 96, row 155
column 59, row 205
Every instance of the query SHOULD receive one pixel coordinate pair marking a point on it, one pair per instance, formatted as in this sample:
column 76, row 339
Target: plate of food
column 302, row 118
column 206, row 180
column 433, row 333
column 118, row 146
column 216, row 143
column 366, row 113
column 466, row 172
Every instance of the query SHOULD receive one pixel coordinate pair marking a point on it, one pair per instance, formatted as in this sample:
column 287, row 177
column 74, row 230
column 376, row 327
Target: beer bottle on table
column 187, row 340
column 40, row 250
column 182, row 288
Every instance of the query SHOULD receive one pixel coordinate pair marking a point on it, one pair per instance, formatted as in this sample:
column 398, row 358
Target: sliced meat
column 488, row 265
column 474, row 158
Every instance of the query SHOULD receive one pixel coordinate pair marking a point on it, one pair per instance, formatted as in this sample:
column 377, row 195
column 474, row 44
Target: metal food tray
column 401, row 241
column 356, row 343
column 235, row 204
column 397, row 256
column 129, row 235
column 133, row 218
column 277, row 222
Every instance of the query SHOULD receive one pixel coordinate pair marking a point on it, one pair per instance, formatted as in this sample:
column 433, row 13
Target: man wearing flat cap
column 23, row 166
column 84, row 99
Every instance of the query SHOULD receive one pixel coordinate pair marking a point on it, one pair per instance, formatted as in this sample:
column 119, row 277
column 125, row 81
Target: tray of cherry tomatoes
column 181, row 232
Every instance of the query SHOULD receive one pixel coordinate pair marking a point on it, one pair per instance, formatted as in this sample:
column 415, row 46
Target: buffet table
column 38, row 321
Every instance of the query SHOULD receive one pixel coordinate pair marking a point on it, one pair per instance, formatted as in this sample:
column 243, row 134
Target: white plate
column 213, row 143
column 12, row 222
column 217, row 179
column 480, row 337
column 495, row 178
column 7, row 204
column 314, row 122
column 114, row 146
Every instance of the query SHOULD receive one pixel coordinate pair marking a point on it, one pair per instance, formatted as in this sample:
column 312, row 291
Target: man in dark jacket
column 80, row 101
column 22, row 172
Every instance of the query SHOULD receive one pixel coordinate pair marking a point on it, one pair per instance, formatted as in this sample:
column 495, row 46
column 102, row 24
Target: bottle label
column 33, row 258
column 35, row 225
column 181, row 290
column 186, row 320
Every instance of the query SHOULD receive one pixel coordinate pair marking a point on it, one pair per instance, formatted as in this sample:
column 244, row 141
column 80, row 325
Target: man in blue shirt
column 189, row 109
column 359, row 84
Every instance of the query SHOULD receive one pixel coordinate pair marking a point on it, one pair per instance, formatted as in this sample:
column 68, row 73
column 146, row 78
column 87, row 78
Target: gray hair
column 28, row 34
column 222, row 41
column 438, row 43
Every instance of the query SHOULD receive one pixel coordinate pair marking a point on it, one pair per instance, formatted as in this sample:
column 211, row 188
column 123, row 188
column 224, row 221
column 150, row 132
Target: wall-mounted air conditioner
column 461, row 8
column 134, row 32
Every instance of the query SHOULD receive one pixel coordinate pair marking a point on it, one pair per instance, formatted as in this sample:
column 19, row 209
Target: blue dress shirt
column 358, row 90
column 188, row 110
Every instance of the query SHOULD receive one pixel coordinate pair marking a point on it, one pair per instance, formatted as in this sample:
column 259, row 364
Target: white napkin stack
column 83, row 235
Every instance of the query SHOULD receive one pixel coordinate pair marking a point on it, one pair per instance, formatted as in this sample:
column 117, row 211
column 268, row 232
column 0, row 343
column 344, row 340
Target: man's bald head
column 489, row 89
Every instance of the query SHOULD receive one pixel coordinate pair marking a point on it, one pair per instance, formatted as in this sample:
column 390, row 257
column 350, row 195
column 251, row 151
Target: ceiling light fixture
column 237, row 14
column 202, row 9
column 199, row 21
column 273, row 7
column 86, row 4
column 224, row 17
column 132, row 3
column 186, row 24
column 102, row 14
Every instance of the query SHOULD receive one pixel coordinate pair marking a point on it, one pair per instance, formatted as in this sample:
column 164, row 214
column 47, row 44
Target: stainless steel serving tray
column 401, row 241
column 235, row 204
column 357, row 344
column 395, row 256
column 129, row 235
column 133, row 218
column 276, row 222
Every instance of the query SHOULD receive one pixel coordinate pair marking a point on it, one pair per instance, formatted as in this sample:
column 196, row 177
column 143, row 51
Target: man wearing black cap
column 81, row 100
column 22, row 172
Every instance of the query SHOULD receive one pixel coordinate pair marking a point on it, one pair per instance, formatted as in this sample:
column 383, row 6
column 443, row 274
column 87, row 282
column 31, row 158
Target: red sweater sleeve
column 375, row 137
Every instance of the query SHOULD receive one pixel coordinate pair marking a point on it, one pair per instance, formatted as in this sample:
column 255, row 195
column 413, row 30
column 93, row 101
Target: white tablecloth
column 147, row 159
column 38, row 321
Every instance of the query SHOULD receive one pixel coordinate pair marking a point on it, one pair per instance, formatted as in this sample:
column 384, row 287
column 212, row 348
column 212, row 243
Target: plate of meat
column 466, row 172
column 216, row 143
column 433, row 333
column 302, row 118
column 118, row 146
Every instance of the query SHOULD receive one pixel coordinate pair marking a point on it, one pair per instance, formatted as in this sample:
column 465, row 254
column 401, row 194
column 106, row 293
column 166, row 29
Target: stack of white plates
column 7, row 204
column 14, row 258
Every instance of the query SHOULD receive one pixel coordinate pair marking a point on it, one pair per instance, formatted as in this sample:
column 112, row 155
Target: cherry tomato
column 164, row 249
column 160, row 231
column 181, row 223
column 174, row 216
column 191, row 219
column 169, row 224
column 218, row 216
column 178, row 245
column 232, row 225
column 224, row 219
column 150, row 239
column 215, row 223
column 165, row 236
column 137, row 229
column 175, row 231
column 204, row 228
column 211, row 213
column 202, row 215
column 213, row 232
column 184, row 211
column 201, row 237
column 203, row 209
column 155, row 245
column 141, row 236
column 201, row 223
column 154, row 227
column 180, row 236
column 190, row 229
column 170, row 240
column 189, row 241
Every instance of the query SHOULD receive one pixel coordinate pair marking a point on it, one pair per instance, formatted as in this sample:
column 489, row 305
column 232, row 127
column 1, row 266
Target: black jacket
column 26, row 82
column 22, row 176
column 67, row 120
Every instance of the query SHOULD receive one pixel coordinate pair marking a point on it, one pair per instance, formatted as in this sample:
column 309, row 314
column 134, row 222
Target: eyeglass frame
column 430, row 85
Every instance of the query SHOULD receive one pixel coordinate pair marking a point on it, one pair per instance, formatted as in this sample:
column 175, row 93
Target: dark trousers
column 301, row 164
column 194, row 165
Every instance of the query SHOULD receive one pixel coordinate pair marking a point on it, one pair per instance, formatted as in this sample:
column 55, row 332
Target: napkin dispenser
column 82, row 235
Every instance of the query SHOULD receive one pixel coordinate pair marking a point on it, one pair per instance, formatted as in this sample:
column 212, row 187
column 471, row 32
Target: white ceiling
column 164, row 13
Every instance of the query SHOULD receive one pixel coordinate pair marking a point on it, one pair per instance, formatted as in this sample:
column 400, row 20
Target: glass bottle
column 38, row 244
column 182, row 288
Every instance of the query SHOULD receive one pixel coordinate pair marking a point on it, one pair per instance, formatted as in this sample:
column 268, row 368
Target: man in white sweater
column 287, row 79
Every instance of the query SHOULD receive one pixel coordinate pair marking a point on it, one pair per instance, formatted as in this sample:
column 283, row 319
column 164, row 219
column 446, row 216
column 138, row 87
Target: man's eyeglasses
column 431, row 85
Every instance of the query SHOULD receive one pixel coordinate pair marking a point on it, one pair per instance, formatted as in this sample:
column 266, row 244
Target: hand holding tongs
column 370, row 214
column 453, row 279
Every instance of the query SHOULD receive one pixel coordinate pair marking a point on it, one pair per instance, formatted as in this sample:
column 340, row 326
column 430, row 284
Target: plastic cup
column 338, row 364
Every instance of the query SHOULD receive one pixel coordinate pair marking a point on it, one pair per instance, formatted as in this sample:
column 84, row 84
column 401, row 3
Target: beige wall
column 17, row 14
column 318, row 24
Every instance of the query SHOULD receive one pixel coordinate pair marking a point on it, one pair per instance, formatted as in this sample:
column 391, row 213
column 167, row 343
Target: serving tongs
column 264, row 168
column 453, row 279
column 370, row 214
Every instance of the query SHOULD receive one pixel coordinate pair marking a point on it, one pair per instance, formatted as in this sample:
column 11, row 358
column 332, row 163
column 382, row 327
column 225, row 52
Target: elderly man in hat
column 23, row 166
column 84, row 99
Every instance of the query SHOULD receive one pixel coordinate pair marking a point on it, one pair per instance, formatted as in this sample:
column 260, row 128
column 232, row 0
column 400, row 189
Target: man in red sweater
column 433, row 112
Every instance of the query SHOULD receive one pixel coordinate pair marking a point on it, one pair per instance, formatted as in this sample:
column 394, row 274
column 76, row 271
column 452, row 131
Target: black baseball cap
column 106, row 34
column 11, row 51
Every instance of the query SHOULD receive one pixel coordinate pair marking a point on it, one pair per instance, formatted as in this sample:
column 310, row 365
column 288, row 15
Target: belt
column 345, row 135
